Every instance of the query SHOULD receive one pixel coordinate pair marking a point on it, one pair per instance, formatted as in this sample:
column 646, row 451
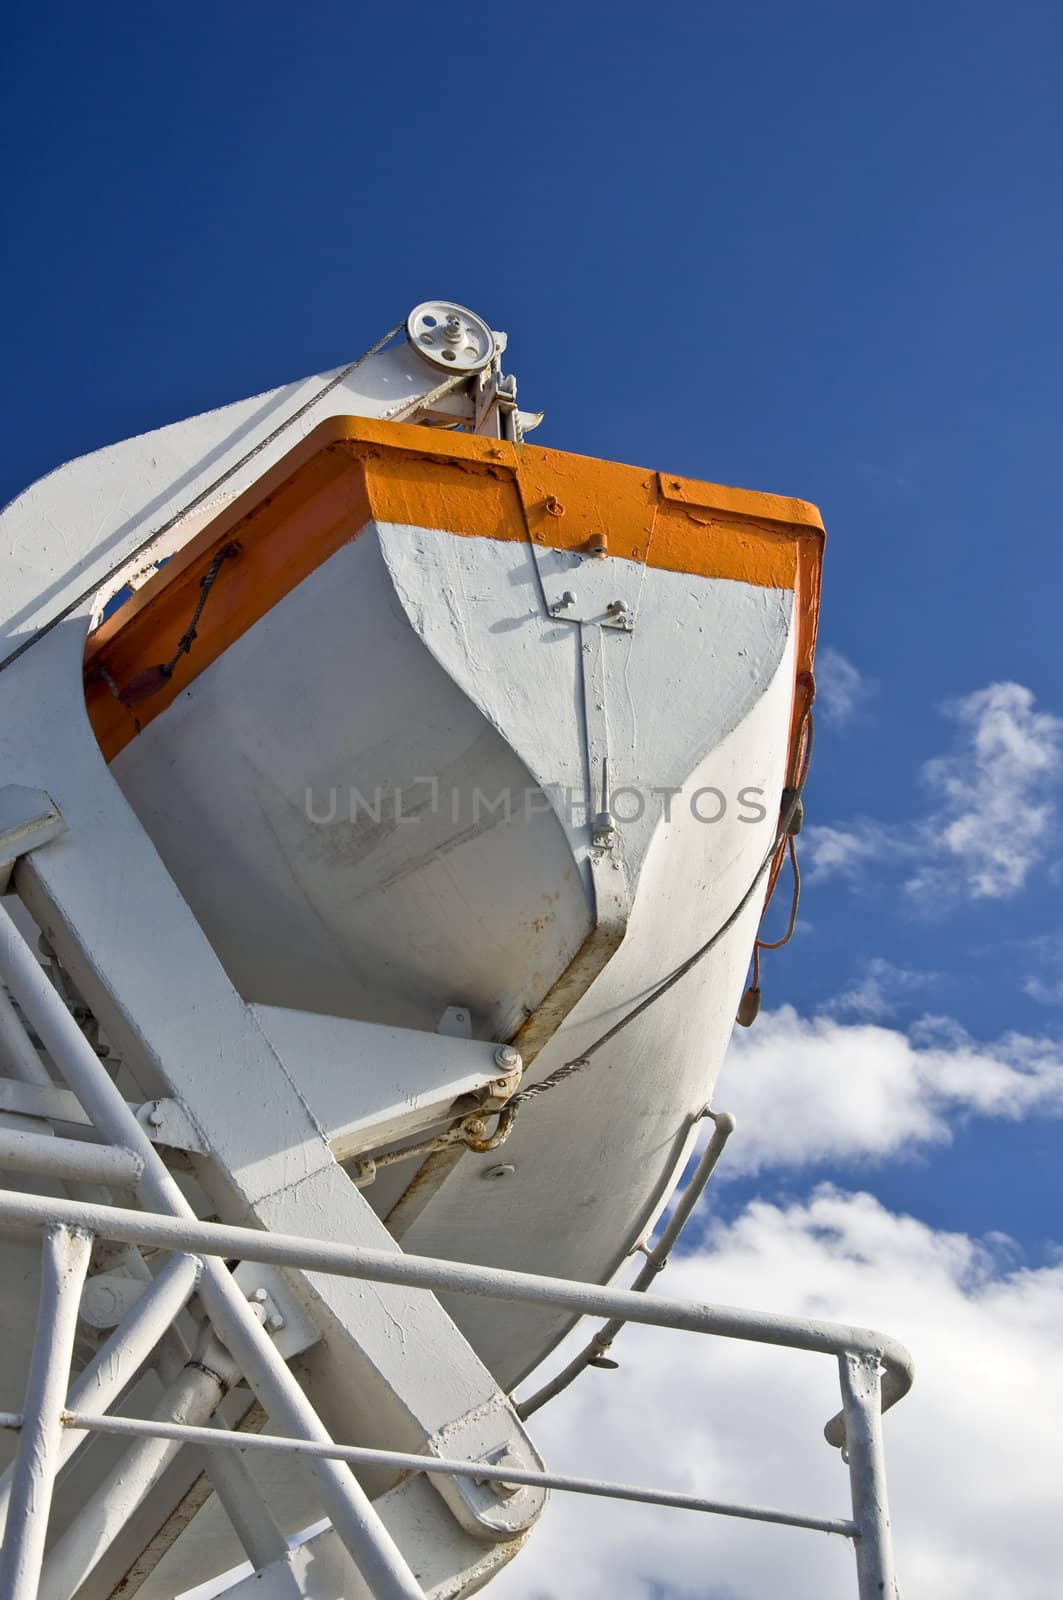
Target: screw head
column 506, row 1170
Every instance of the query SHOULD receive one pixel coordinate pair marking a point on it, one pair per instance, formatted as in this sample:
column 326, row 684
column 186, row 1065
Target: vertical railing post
column 64, row 1263
column 862, row 1410
column 118, row 1360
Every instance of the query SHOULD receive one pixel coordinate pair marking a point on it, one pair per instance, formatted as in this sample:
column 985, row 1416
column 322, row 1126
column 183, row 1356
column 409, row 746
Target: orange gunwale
column 352, row 470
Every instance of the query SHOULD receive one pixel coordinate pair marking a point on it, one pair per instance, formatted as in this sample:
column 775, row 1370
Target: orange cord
column 802, row 762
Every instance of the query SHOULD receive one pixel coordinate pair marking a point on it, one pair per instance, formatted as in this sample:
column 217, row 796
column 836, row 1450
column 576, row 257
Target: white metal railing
column 860, row 1355
column 874, row 1370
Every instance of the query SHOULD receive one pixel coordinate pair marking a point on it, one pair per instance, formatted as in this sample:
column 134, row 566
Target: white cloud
column 830, row 852
column 879, row 990
column 974, row 1454
column 996, row 791
column 841, row 690
column 807, row 1090
column 1046, row 986
column 1046, row 991
column 994, row 814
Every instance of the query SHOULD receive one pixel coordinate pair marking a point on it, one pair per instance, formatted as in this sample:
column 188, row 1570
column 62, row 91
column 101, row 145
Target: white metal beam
column 367, row 1084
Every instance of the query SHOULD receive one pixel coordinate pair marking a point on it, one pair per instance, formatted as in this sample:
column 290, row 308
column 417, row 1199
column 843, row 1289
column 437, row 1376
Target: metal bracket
column 284, row 1316
column 585, row 586
column 166, row 1122
column 28, row 819
column 608, row 871
column 488, row 1507
column 455, row 1022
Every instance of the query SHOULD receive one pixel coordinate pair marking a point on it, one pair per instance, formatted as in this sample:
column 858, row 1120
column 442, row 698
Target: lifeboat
column 435, row 738
column 474, row 729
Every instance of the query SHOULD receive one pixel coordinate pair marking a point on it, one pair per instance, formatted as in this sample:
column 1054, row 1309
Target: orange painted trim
column 352, row 470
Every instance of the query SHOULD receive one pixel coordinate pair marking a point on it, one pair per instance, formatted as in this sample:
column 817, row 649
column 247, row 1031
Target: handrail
column 30, row 1211
column 656, row 1261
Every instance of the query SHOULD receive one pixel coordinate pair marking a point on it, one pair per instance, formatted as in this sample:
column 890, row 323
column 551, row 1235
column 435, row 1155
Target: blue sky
column 809, row 249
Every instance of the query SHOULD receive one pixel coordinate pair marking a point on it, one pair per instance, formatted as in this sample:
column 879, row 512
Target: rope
column 568, row 1069
column 206, row 583
column 198, row 499
column 148, row 682
column 795, row 901
column 802, row 761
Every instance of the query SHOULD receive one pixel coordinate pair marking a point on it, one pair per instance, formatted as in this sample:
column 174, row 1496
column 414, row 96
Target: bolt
column 454, row 334
column 260, row 1296
column 275, row 1322
column 155, row 1115
column 507, row 1057
column 504, row 1458
column 618, row 608
column 504, row 1171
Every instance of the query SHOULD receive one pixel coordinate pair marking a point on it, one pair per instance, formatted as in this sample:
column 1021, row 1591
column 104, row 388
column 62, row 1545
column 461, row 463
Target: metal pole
column 656, row 1261
column 120, row 1358
column 64, row 1263
column 221, row 1443
column 348, row 1507
column 245, row 1508
column 16, row 1050
column 862, row 1410
column 49, row 1156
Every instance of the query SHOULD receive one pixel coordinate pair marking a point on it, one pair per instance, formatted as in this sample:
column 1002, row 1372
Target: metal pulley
column 450, row 336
